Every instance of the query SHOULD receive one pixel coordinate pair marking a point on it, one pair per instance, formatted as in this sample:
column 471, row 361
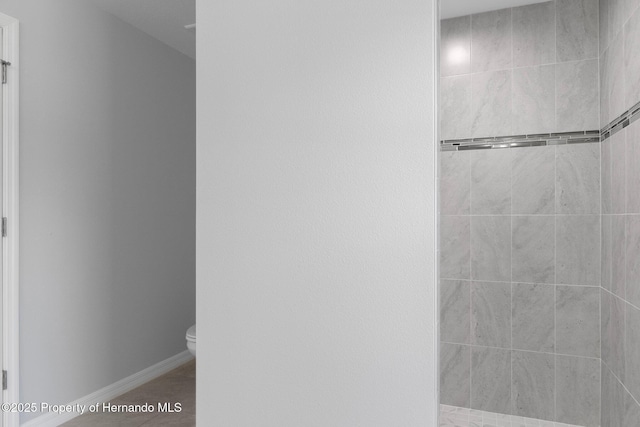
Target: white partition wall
column 316, row 290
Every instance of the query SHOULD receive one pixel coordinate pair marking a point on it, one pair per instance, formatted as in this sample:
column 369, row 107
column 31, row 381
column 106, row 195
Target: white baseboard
column 111, row 391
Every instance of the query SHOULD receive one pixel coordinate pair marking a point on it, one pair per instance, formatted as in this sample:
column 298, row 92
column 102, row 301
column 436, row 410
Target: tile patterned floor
column 451, row 416
column 179, row 385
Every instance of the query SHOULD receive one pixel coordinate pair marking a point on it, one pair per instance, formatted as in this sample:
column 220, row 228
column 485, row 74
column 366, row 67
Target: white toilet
column 191, row 339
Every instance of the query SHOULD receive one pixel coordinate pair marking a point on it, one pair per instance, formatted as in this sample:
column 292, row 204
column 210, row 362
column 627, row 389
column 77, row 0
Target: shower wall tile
column 632, row 169
column 576, row 29
column 632, row 351
column 578, row 321
column 578, row 391
column 455, row 183
column 533, row 249
column 578, row 179
column 491, row 248
column 631, row 410
column 455, row 311
column 533, row 99
column 632, row 290
column 491, row 380
column 534, row 34
column 618, row 255
column 455, row 43
column 614, row 78
column 490, row 182
column 617, row 16
column 533, row 180
column 613, row 400
column 617, row 337
column 455, row 375
column 491, row 314
column 603, row 19
column 632, row 60
column 491, row 104
column 618, row 184
column 578, row 250
column 533, row 326
column 455, row 107
column 455, row 248
column 491, row 41
column 605, row 326
column 605, row 176
column 577, row 100
column 605, row 253
column 533, row 388
column 605, row 85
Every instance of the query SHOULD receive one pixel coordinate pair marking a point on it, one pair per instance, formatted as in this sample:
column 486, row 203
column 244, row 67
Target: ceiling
column 162, row 19
column 453, row 8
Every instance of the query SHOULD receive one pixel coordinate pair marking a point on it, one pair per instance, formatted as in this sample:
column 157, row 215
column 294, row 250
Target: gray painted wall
column 107, row 199
column 316, row 217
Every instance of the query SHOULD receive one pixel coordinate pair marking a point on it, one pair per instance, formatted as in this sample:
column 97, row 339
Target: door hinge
column 4, row 380
column 4, row 226
column 5, row 64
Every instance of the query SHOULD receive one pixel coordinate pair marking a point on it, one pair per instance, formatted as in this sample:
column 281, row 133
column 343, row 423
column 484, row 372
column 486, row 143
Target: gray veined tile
column 632, row 60
column 605, row 176
column 605, row 251
column 578, row 179
column 534, row 34
column 455, row 311
column 455, row 250
column 614, row 77
column 578, row 321
column 491, row 112
column 533, row 317
column 578, row 250
column 533, row 249
column 533, row 99
column 491, row 248
column 578, row 391
column 632, row 170
column 632, row 290
column 491, row 182
column 632, row 351
column 617, row 18
column 455, row 183
column 491, row 41
column 577, row 29
column 618, row 184
column 491, row 380
column 613, row 400
column 617, row 329
column 605, row 84
column 455, row 107
column 631, row 411
column 491, row 314
column 577, row 96
column 455, row 46
column 533, row 390
column 630, row 7
column 618, row 255
column 605, row 326
column 533, row 180
column 455, row 374
column 603, row 18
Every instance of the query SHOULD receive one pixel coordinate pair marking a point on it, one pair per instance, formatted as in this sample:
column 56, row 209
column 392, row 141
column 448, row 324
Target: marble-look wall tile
column 533, row 180
column 576, row 29
column 617, row 337
column 578, row 179
column 578, row 321
column 614, row 78
column 632, row 290
column 630, row 7
column 533, row 99
column 491, row 314
column 455, row 311
column 455, row 46
column 578, row 391
column 533, row 249
column 605, row 326
column 617, row 17
column 491, row 248
column 577, row 96
column 632, row 351
column 618, row 255
column 632, row 60
column 613, row 400
column 605, row 83
column 455, row 247
column 618, row 184
column 578, row 250
column 605, row 253
column 534, row 34
column 455, row 183
column 533, row 317
column 490, row 182
column 605, row 176
column 491, row 41
column 455, row 375
column 532, row 388
column 632, row 170
column 491, row 112
column 491, row 380
column 603, row 18
column 455, row 107
column 631, row 411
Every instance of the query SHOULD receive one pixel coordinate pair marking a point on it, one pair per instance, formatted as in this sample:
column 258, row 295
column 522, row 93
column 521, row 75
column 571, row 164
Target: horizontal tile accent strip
column 628, row 117
column 516, row 141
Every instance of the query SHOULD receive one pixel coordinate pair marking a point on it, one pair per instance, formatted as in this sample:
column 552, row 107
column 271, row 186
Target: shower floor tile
column 452, row 416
